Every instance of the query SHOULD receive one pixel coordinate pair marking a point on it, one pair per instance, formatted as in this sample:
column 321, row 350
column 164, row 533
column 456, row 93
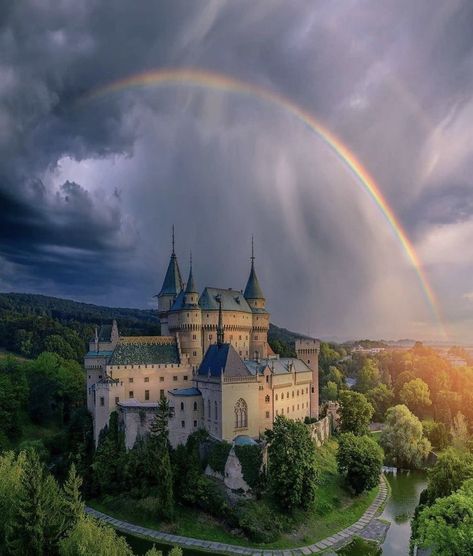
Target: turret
column 307, row 350
column 171, row 288
column 191, row 295
column 253, row 292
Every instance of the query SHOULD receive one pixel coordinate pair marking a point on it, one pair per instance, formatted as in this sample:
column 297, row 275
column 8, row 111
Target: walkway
column 368, row 526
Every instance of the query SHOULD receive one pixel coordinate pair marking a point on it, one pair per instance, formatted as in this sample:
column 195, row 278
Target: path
column 368, row 526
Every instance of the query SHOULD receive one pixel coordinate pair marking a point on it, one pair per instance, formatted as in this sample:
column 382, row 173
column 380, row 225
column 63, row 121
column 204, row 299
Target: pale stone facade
column 212, row 361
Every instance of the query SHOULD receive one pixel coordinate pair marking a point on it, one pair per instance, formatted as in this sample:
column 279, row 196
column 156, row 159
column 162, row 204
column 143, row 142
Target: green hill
column 31, row 324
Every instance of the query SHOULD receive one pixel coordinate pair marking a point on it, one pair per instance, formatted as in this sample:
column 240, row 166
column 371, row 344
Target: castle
column 212, row 361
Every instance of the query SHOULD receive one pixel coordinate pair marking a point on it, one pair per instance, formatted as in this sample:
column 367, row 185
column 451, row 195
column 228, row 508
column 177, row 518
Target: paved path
column 367, row 526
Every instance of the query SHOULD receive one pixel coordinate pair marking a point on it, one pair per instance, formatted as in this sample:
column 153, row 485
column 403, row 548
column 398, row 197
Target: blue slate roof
column 232, row 300
column 222, row 358
column 191, row 287
column 279, row 366
column 244, row 440
column 185, row 392
column 253, row 289
column 172, row 284
column 99, row 353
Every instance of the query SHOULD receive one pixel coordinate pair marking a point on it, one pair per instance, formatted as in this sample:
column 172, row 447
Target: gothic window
column 208, row 410
column 241, row 414
column 182, row 406
column 195, row 406
column 215, row 411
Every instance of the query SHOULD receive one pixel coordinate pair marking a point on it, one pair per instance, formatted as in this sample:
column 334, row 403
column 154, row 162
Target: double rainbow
column 220, row 82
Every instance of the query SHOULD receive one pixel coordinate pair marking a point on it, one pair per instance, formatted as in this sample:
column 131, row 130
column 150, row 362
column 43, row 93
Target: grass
column 334, row 509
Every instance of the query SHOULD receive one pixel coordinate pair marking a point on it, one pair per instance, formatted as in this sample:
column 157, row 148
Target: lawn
column 334, row 510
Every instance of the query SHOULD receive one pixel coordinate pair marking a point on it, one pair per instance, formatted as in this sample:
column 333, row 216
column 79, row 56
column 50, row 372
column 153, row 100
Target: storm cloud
column 90, row 186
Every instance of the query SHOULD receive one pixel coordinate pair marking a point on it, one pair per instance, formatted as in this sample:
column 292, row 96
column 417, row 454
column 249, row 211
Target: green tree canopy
column 415, row 394
column 447, row 475
column 381, row 398
column 403, row 440
column 369, row 376
column 360, row 459
column 355, row 413
column 292, row 467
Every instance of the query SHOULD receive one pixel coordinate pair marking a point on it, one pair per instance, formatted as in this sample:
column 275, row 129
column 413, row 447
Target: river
column 406, row 487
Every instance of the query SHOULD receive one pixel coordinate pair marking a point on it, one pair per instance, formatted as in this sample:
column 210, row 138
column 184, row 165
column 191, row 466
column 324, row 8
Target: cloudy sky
column 91, row 185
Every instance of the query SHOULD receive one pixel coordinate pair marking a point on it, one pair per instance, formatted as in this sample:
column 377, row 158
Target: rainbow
column 224, row 83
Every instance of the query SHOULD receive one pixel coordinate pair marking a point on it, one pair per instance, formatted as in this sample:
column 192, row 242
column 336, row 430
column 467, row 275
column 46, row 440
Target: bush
column 218, row 456
column 360, row 459
column 259, row 523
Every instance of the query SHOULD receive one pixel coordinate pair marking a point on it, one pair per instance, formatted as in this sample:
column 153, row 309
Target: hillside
column 30, row 324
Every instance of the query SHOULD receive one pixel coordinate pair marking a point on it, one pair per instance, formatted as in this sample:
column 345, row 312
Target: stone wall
column 321, row 430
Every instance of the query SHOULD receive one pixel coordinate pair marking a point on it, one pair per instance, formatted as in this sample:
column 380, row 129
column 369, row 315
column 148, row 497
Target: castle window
column 182, row 406
column 186, row 377
column 215, row 411
column 308, row 361
column 183, row 424
column 194, row 353
column 293, row 393
column 146, row 394
column 194, row 336
column 241, row 414
column 195, row 406
column 208, row 410
column 117, row 399
column 282, row 395
column 195, row 424
column 267, row 399
column 146, row 378
column 240, row 337
column 130, row 380
column 276, row 397
column 161, row 394
column 267, row 415
column 174, row 378
column 100, row 376
column 161, row 379
column 313, row 390
column 131, row 394
column 102, row 401
column 267, row 378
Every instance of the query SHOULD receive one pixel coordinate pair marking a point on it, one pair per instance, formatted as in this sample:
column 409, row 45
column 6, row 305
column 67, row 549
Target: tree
column 403, row 440
column 110, row 456
column 368, row 377
column 460, row 435
column 73, row 504
column 355, row 413
column 38, row 521
column 11, row 472
column 415, row 395
column 446, row 526
column 95, row 539
column 159, row 462
column 329, row 392
column 292, row 467
column 437, row 433
column 448, row 473
column 360, row 459
column 381, row 398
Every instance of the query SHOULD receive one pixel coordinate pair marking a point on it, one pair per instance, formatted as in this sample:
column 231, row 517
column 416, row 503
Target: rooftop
column 143, row 350
column 222, row 359
column 185, row 392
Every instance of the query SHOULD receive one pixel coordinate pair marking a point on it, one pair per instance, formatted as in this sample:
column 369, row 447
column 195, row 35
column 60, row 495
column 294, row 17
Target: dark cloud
column 90, row 188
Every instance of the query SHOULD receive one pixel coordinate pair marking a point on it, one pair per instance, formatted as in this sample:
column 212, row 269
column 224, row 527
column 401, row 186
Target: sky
column 91, row 184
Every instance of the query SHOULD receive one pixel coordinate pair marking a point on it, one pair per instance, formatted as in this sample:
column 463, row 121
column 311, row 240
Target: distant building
column 212, row 361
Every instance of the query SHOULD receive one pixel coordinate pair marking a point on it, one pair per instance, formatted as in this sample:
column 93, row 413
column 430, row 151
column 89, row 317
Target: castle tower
column 256, row 300
column 307, row 350
column 171, row 288
column 186, row 319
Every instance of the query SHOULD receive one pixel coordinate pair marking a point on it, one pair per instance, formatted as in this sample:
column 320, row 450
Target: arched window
column 241, row 414
column 208, row 410
column 195, row 406
column 182, row 406
column 215, row 411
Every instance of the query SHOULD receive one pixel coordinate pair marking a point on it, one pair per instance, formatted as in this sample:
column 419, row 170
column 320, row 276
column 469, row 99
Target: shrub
column 218, row 456
column 251, row 460
column 258, row 522
column 360, row 459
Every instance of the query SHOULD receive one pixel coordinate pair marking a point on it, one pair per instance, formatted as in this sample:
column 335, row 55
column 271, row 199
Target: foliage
column 11, row 475
column 403, row 440
column 251, row 460
column 447, row 475
column 368, row 376
column 355, row 413
column 360, row 459
column 292, row 471
column 14, row 392
column 446, row 526
column 460, row 434
column 218, row 456
column 360, row 547
column 437, row 433
column 329, row 392
column 381, row 398
column 415, row 394
column 259, row 522
column 95, row 539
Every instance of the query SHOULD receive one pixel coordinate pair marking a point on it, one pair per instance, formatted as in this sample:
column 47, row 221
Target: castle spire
column 220, row 331
column 253, row 289
column 172, row 284
column 191, row 288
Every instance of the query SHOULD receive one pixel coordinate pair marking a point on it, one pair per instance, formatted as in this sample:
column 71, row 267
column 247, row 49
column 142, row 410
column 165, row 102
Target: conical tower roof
column 191, row 288
column 172, row 284
column 253, row 289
